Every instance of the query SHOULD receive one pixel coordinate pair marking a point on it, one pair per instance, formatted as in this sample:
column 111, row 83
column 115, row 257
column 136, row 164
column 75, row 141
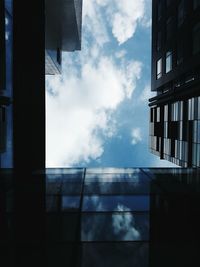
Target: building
column 23, row 65
column 62, row 31
column 175, row 110
column 23, row 43
column 108, row 217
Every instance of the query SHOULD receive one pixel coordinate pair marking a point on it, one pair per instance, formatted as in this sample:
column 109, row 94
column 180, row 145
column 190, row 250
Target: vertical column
column 29, row 130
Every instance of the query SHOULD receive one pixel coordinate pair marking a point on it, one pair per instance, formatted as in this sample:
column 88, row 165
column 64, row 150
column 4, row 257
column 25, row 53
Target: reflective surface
column 115, row 226
column 116, row 203
column 115, row 217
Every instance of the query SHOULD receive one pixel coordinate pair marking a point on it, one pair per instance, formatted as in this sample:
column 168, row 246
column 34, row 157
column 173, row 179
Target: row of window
column 180, row 43
column 168, row 65
column 180, row 50
column 175, row 130
column 169, row 55
column 175, row 161
column 181, row 9
column 176, row 111
column 181, row 150
column 155, row 144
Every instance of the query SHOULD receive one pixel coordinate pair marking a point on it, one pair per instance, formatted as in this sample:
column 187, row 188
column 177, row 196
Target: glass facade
column 52, row 62
column 179, row 133
column 176, row 79
column 159, row 69
column 117, row 217
column 110, row 216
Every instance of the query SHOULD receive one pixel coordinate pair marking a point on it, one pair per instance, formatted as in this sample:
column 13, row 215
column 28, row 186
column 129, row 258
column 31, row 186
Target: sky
column 97, row 112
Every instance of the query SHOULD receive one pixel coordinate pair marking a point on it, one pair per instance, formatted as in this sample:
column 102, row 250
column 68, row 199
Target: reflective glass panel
column 116, row 226
column 116, row 203
column 111, row 170
column 123, row 188
column 135, row 254
column 71, row 188
column 61, row 226
column 70, row 203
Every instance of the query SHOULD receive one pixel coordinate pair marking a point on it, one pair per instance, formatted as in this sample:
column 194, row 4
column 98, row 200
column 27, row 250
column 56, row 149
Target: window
column 181, row 12
column 159, row 69
column 169, row 28
column 158, row 114
column 198, row 112
column 159, row 41
column 196, row 39
column 168, row 66
column 151, row 115
column 168, row 2
column 196, row 3
column 159, row 10
column 179, row 52
column 191, row 109
column 175, row 111
column 166, row 113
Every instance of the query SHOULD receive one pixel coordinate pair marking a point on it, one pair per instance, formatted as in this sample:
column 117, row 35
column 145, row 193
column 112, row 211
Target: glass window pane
column 111, row 171
column 196, row 39
column 117, row 188
column 124, row 226
column 196, row 3
column 52, row 203
column 159, row 69
column 73, row 171
column 61, row 226
column 116, row 203
column 168, row 61
column 181, row 12
column 134, row 176
column 71, row 188
column 135, row 254
column 70, row 203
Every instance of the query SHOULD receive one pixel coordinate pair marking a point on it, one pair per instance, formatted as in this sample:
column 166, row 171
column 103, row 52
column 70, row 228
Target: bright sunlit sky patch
column 97, row 110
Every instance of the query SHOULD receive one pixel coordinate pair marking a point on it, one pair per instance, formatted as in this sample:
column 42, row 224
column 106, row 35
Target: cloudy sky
column 97, row 110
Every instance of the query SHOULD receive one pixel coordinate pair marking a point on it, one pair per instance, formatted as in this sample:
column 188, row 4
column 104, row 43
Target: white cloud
column 80, row 108
column 136, row 136
column 124, row 225
column 146, row 20
column 124, row 16
column 94, row 22
column 120, row 54
column 146, row 94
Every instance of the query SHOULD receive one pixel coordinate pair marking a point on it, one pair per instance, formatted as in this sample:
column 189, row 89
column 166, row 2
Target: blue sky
column 97, row 110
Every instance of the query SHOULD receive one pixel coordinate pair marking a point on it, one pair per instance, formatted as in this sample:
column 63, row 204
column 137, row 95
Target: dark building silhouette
column 23, row 44
column 56, row 28
column 175, row 110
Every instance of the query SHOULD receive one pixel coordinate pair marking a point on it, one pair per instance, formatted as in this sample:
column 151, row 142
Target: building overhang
column 63, row 24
